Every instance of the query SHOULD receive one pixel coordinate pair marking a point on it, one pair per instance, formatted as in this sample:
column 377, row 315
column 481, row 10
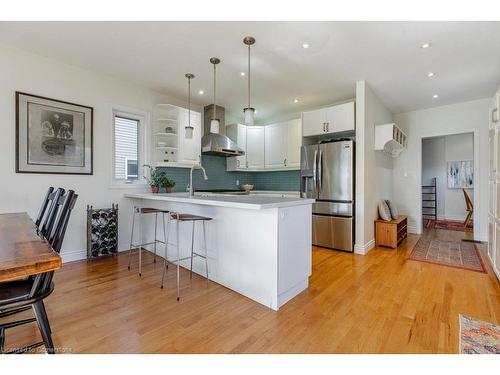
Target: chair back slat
column 52, row 213
column 64, row 205
column 57, row 236
column 43, row 209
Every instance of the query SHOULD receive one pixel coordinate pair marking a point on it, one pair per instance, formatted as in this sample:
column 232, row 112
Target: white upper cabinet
column 313, row 122
column 340, row 118
column 335, row 119
column 238, row 133
column 294, row 142
column 255, row 147
column 276, row 145
column 269, row 147
column 190, row 148
column 170, row 148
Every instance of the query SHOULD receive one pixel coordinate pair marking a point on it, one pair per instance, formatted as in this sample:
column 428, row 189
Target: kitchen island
column 258, row 246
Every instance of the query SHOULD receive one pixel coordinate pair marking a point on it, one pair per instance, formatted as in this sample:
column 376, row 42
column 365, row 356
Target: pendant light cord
column 189, row 102
column 248, row 76
column 215, row 96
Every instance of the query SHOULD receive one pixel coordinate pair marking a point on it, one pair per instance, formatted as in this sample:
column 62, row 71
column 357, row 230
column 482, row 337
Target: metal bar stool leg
column 165, row 238
column 192, row 250
column 206, row 248
column 156, row 221
column 131, row 238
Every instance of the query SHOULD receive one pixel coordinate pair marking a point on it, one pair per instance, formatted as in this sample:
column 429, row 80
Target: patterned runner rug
column 464, row 255
column 478, row 337
column 448, row 225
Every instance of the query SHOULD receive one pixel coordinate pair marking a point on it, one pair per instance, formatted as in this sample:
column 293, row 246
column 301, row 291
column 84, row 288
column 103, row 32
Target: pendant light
column 249, row 112
column 189, row 129
column 214, row 122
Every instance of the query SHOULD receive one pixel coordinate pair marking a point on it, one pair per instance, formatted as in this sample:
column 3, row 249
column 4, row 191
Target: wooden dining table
column 22, row 251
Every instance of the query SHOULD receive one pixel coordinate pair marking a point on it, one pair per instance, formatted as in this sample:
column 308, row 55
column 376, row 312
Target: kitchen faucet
column 196, row 166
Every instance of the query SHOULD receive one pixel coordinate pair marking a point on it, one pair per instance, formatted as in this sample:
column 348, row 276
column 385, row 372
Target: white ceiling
column 464, row 55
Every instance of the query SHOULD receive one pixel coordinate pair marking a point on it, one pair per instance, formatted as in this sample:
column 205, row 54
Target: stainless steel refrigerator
column 327, row 175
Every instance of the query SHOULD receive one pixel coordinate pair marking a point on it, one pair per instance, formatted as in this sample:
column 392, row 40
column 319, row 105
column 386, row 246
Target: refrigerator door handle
column 320, row 171
column 314, row 168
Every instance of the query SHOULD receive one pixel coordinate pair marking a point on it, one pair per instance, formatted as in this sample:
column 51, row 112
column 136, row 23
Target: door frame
column 476, row 202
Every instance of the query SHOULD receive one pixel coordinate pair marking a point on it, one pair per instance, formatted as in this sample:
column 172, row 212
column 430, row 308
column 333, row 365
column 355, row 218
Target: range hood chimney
column 217, row 144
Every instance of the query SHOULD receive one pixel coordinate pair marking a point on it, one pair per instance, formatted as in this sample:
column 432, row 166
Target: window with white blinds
column 127, row 130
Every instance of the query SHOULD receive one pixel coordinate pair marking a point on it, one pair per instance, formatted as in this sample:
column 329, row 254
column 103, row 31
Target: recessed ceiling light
column 242, row 74
column 295, row 100
column 435, row 96
column 430, row 74
column 305, row 45
column 201, row 92
column 425, row 45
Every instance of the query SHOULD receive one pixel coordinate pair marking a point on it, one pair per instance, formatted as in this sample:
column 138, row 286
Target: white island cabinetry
column 258, row 246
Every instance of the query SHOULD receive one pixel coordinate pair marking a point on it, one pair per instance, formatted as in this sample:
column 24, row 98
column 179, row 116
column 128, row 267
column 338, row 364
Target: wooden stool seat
column 147, row 210
column 188, row 217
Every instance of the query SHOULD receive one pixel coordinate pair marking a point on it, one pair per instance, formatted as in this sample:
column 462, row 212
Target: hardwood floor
column 378, row 303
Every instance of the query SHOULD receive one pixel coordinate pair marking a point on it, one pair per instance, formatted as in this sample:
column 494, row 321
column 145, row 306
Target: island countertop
column 253, row 202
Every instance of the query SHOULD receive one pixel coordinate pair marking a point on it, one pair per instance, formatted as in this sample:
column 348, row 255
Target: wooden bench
column 390, row 233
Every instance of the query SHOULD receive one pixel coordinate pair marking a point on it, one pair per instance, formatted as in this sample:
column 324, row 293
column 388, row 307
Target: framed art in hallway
column 460, row 174
column 52, row 136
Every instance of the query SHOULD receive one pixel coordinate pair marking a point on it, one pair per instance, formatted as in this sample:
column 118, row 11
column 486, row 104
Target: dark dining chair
column 45, row 203
column 21, row 295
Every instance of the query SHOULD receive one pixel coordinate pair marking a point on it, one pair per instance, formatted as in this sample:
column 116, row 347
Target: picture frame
column 53, row 136
column 460, row 174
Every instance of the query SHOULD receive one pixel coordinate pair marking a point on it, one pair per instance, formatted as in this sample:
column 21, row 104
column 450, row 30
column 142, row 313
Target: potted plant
column 169, row 184
column 156, row 178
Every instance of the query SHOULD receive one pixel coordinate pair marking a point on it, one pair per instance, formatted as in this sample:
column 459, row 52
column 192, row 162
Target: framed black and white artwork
column 52, row 136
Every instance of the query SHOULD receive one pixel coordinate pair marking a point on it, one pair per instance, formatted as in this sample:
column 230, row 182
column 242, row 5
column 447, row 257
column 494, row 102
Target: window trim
column 143, row 151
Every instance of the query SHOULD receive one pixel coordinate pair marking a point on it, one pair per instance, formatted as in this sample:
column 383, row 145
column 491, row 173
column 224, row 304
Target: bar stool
column 178, row 218
column 140, row 212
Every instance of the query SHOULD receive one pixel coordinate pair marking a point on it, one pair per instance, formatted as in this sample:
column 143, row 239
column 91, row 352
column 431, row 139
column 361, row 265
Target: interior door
column 276, row 145
column 313, row 122
column 294, row 141
column 255, row 146
column 335, row 171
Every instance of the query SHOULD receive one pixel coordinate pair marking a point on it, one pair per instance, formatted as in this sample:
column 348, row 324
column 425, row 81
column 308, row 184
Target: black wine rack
column 102, row 231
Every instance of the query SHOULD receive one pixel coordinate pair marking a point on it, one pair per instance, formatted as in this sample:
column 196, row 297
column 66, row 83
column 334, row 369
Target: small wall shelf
column 390, row 139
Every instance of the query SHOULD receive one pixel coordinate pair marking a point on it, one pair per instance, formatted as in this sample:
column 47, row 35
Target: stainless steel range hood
column 217, row 144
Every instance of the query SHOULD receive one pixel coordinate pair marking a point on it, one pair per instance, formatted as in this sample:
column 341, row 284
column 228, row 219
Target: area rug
column 478, row 337
column 448, row 225
column 464, row 255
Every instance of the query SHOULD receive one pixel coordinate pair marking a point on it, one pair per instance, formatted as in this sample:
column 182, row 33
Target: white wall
column 467, row 117
column 373, row 168
column 31, row 73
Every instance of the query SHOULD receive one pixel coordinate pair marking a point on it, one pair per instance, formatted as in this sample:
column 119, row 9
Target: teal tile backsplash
column 219, row 178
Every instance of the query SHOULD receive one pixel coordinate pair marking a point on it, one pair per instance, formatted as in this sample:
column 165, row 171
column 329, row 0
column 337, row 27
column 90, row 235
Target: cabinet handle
column 238, row 163
column 327, row 126
column 284, row 162
column 247, row 163
column 324, row 126
column 493, row 115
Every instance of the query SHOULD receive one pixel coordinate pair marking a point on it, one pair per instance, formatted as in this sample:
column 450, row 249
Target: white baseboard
column 490, row 261
column 72, row 256
column 412, row 229
column 364, row 249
